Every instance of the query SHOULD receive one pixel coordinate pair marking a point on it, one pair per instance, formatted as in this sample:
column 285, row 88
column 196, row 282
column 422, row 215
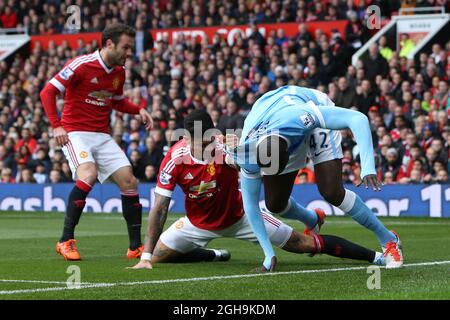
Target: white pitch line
column 42, row 281
column 253, row 275
column 236, row 276
column 100, row 285
column 31, row 281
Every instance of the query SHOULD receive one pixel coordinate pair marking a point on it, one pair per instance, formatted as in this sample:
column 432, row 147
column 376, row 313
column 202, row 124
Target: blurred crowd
column 406, row 101
column 50, row 16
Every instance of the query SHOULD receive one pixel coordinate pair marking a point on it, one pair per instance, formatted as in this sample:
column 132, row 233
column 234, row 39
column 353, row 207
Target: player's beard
column 121, row 60
column 118, row 59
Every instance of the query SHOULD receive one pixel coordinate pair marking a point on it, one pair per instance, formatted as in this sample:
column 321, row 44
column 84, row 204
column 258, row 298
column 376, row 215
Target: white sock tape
column 348, row 202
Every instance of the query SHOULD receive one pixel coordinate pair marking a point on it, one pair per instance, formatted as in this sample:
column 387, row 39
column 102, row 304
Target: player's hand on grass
column 61, row 136
column 146, row 119
column 273, row 264
column 143, row 264
column 371, row 180
column 264, row 269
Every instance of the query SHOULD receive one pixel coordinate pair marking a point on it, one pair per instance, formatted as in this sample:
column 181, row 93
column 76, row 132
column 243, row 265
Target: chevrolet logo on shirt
column 101, row 95
column 203, row 187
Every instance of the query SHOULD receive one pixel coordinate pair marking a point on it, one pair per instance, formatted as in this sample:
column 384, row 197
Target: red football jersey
column 90, row 88
column 212, row 197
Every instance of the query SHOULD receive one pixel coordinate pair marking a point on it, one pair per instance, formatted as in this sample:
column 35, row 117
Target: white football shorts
column 182, row 236
column 96, row 147
column 321, row 145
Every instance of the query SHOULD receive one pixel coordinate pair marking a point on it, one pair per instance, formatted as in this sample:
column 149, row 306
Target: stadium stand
column 48, row 17
column 407, row 101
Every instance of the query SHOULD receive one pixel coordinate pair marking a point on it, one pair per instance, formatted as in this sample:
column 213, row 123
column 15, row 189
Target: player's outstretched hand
column 146, row 119
column 143, row 264
column 61, row 136
column 371, row 180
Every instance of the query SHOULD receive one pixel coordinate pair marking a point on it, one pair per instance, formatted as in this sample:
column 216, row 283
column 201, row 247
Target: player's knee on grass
column 87, row 172
column 300, row 243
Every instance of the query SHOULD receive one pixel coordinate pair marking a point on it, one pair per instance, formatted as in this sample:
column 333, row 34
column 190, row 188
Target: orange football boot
column 321, row 220
column 393, row 253
column 135, row 254
column 316, row 229
column 68, row 250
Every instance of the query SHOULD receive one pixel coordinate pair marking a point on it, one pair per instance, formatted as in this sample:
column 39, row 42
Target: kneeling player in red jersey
column 214, row 209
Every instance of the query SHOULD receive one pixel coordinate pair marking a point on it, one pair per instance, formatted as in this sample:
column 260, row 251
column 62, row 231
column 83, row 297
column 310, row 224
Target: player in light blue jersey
column 272, row 145
column 323, row 147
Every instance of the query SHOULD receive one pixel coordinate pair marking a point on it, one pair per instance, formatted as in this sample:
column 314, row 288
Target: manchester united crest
column 116, row 83
column 179, row 224
column 83, row 154
column 211, row 169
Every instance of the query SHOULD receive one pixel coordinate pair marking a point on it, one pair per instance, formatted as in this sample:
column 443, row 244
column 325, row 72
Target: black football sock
column 132, row 212
column 77, row 200
column 197, row 255
column 339, row 247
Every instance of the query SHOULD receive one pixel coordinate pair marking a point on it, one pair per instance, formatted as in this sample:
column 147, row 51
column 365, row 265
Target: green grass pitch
column 30, row 268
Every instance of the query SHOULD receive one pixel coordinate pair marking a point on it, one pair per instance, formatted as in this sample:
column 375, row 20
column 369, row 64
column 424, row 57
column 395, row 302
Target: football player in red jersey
column 93, row 86
column 214, row 208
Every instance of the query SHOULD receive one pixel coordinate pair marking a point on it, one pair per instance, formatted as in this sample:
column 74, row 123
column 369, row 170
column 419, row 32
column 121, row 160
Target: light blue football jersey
column 290, row 112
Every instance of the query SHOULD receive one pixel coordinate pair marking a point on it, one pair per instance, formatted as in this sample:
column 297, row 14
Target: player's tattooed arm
column 160, row 253
column 156, row 220
column 300, row 243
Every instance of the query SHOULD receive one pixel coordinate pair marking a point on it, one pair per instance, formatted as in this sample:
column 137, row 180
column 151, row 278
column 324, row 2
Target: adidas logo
column 188, row 176
column 94, row 80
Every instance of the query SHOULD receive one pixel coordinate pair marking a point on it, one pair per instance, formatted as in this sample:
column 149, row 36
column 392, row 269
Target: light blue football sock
column 297, row 212
column 357, row 209
column 250, row 196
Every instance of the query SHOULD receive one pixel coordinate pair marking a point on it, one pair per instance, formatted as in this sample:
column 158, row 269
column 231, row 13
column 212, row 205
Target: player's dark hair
column 272, row 152
column 198, row 115
column 115, row 31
